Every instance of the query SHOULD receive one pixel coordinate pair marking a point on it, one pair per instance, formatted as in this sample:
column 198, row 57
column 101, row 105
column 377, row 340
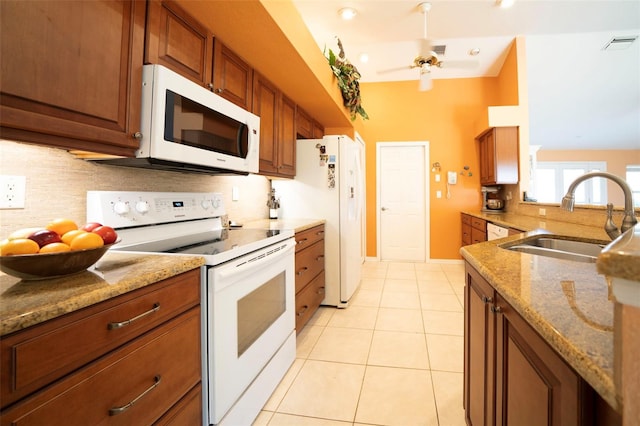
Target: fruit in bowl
column 60, row 248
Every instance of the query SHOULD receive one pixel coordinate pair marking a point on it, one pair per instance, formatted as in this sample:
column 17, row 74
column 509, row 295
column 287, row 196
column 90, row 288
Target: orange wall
column 448, row 117
column 444, row 116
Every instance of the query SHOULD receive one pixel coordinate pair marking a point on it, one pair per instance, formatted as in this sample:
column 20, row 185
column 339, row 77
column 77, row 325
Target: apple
column 44, row 237
column 107, row 233
column 90, row 226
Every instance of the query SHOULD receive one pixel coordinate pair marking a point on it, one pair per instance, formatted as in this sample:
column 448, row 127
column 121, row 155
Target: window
column 552, row 179
column 633, row 179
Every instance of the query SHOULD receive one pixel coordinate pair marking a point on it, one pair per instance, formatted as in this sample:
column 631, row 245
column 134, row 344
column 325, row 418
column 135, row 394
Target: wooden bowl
column 51, row 265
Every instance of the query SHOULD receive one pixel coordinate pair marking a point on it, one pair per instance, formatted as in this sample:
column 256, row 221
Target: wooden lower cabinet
column 152, row 374
column 512, row 376
column 310, row 277
column 474, row 230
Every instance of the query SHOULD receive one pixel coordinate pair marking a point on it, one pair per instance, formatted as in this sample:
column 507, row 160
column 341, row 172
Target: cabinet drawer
column 155, row 371
column 466, row 219
column 479, row 224
column 307, row 237
column 308, row 300
column 34, row 357
column 466, row 234
column 478, row 236
column 188, row 411
column 309, row 263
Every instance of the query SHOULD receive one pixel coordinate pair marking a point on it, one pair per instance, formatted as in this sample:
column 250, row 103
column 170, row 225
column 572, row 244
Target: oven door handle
column 253, row 260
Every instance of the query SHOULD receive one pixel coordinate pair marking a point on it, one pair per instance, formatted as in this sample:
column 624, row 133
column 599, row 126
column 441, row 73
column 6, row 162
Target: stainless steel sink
column 559, row 248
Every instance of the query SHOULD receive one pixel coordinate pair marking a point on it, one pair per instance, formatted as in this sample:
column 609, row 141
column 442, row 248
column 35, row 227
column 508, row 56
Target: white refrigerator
column 329, row 185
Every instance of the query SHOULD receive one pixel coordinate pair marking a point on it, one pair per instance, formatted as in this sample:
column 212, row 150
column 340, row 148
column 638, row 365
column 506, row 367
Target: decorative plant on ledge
column 348, row 77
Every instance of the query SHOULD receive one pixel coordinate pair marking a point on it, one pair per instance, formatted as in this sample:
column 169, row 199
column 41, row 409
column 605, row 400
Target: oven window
column 259, row 309
column 189, row 123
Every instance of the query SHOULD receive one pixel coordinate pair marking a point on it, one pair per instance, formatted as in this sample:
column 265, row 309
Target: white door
column 402, row 201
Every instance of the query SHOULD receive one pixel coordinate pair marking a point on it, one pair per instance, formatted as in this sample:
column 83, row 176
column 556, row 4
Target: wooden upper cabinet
column 277, row 128
column 287, row 140
column 499, row 156
column 179, row 42
column 307, row 127
column 232, row 77
column 72, row 73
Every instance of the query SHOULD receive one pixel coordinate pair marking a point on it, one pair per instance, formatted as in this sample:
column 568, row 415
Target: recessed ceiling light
column 364, row 58
column 505, row 3
column 347, row 13
column 474, row 52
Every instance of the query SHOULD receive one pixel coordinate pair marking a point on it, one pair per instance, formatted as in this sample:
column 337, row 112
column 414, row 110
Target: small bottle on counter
column 274, row 204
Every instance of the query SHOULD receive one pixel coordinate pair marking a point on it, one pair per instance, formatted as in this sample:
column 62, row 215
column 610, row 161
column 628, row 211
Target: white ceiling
column 580, row 96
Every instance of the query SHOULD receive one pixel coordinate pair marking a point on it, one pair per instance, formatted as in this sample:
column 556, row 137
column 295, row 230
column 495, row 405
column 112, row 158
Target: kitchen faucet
column 629, row 220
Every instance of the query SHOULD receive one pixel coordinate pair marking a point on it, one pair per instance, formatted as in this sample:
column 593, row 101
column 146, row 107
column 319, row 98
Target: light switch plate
column 12, row 192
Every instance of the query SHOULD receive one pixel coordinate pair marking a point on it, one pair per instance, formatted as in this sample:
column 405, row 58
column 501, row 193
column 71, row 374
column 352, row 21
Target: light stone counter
column 566, row 302
column 26, row 303
column 298, row 225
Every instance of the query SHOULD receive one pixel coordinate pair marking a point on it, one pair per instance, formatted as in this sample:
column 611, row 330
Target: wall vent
column 439, row 49
column 620, row 43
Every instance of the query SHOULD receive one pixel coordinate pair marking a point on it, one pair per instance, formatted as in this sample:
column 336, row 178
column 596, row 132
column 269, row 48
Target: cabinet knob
column 210, row 86
column 137, row 135
column 496, row 309
column 219, row 90
column 487, row 299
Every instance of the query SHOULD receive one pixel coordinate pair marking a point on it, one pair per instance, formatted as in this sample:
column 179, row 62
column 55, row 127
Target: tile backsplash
column 57, row 184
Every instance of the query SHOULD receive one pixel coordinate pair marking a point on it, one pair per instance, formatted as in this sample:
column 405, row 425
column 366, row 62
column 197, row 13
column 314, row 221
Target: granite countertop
column 566, row 302
column 26, row 303
column 298, row 225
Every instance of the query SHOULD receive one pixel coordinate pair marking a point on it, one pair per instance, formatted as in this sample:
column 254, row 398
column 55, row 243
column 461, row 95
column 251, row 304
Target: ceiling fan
column 428, row 56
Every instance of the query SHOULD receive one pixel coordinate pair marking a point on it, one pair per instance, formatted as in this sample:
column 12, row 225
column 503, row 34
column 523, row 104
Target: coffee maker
column 491, row 201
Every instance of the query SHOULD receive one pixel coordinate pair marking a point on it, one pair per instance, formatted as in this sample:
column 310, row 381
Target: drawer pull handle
column 496, row 309
column 320, row 290
column 302, row 271
column 302, row 241
column 303, row 310
column 320, row 257
column 320, row 233
column 118, row 410
column 114, row 325
column 487, row 299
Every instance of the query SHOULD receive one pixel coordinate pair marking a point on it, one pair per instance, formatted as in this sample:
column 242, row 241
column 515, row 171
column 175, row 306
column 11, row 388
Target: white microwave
column 186, row 127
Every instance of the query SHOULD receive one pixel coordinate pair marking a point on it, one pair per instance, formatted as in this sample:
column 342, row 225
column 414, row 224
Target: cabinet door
column 487, row 158
column 179, row 42
column 318, row 130
column 232, row 77
column 534, row 386
column 265, row 105
column 287, row 139
column 479, row 356
column 304, row 126
column 72, row 73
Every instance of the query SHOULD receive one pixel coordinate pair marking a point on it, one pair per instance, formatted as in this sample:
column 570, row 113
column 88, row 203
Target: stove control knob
column 206, row 204
column 142, row 207
column 121, row 208
column 215, row 202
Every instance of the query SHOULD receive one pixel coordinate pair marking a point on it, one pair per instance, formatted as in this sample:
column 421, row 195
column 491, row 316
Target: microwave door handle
column 243, row 129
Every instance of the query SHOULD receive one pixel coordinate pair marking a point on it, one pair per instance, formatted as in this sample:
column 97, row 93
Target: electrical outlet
column 12, row 192
column 542, row 212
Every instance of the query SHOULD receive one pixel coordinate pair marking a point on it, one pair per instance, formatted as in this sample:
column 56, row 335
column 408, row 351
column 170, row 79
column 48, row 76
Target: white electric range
column 248, row 323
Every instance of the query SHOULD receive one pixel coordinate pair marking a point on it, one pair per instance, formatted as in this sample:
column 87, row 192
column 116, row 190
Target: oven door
column 250, row 315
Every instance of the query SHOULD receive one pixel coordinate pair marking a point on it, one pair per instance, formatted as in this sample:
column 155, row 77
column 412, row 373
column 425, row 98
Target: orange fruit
column 87, row 240
column 69, row 236
column 62, row 226
column 55, row 248
column 20, row 246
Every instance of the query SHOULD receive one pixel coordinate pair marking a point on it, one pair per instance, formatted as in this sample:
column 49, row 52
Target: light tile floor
column 393, row 357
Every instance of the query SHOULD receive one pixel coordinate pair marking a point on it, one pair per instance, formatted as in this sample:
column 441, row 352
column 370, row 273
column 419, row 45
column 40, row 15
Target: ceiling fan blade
column 425, row 81
column 388, row 70
column 462, row 64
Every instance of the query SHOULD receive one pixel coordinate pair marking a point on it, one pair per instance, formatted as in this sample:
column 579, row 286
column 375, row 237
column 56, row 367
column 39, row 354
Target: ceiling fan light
column 347, row 13
column 425, row 78
column 504, row 4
